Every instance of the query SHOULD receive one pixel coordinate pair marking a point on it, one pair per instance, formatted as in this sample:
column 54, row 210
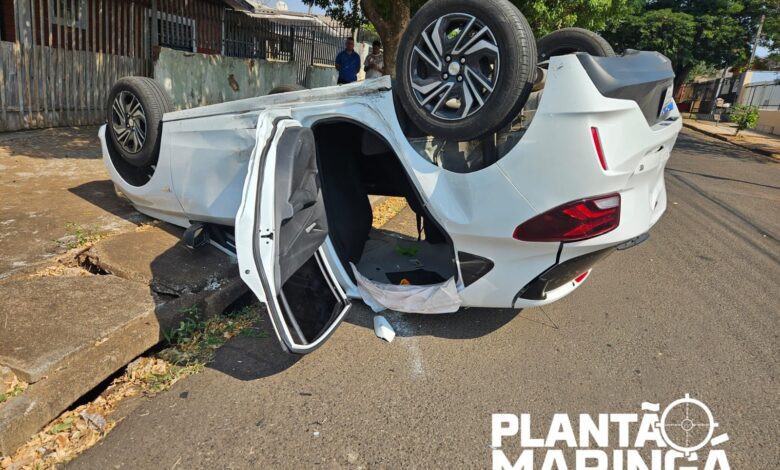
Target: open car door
column 280, row 229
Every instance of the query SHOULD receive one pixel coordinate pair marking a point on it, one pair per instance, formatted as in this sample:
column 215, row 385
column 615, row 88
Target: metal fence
column 303, row 42
column 68, row 53
column 186, row 25
column 764, row 95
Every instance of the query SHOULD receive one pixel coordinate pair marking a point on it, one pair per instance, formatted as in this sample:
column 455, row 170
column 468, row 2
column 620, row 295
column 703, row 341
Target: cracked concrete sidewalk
column 87, row 284
column 53, row 185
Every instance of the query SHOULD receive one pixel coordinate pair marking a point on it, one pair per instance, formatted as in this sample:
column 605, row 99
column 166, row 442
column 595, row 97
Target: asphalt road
column 693, row 310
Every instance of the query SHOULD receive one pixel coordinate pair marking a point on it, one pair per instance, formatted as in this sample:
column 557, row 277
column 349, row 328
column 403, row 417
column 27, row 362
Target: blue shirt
column 349, row 66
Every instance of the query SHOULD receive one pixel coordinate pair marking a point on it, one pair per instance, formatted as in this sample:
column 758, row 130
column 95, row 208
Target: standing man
column 348, row 63
column 375, row 62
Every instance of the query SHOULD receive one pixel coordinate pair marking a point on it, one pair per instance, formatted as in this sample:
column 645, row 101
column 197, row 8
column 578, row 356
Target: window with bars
column 174, row 32
column 70, row 13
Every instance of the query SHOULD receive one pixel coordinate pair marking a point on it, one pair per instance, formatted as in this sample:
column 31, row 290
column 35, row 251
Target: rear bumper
column 560, row 275
column 566, row 273
column 557, row 162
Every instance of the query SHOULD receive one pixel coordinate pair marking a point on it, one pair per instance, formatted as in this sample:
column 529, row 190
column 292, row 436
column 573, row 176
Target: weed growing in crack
column 79, row 236
column 195, row 340
column 12, row 390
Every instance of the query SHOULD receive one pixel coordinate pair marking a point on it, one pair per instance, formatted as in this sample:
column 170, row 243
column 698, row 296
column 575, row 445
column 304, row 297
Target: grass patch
column 195, row 341
column 79, row 236
column 189, row 348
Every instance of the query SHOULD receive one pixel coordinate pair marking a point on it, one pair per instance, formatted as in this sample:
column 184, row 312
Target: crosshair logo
column 687, row 425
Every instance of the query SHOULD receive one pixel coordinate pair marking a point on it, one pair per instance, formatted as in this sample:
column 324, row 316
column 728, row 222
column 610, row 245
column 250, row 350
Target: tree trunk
column 681, row 75
column 390, row 29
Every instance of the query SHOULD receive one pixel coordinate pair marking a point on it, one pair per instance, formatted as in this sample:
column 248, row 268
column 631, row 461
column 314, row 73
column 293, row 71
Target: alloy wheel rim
column 128, row 122
column 454, row 66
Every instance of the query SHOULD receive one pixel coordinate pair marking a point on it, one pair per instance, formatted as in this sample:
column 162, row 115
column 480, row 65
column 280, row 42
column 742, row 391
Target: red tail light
column 599, row 148
column 574, row 221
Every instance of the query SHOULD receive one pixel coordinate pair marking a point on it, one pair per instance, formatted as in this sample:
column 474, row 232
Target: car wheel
column 286, row 89
column 571, row 40
column 465, row 67
column 134, row 116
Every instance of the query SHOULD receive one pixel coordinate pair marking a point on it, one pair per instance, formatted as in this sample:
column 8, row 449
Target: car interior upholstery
column 354, row 163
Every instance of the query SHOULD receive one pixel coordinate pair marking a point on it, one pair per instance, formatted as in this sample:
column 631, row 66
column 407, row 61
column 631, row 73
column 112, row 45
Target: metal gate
column 306, row 43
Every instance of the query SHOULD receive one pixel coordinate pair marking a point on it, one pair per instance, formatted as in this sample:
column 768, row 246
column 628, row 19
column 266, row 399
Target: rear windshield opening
column 474, row 155
column 358, row 168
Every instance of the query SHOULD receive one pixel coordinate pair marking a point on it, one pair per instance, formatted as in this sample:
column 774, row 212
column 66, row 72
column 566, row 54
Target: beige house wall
column 769, row 121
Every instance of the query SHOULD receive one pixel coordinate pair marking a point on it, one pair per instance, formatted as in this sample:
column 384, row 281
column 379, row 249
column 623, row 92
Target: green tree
column 390, row 17
column 718, row 33
column 547, row 16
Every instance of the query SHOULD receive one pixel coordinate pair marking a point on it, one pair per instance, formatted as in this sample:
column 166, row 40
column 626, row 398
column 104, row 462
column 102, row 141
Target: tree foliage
column 546, row 16
column 718, row 33
column 390, row 17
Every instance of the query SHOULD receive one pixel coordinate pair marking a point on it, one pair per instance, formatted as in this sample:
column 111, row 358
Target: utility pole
column 755, row 43
column 752, row 56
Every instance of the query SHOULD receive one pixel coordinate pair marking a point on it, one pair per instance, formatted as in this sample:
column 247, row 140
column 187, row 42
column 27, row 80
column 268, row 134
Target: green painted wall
column 200, row 79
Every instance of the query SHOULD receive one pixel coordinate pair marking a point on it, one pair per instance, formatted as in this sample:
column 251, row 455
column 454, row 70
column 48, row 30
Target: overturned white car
column 555, row 182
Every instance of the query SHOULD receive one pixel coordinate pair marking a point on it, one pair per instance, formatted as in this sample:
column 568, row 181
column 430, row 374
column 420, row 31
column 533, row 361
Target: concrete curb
column 73, row 375
column 724, row 138
column 24, row 415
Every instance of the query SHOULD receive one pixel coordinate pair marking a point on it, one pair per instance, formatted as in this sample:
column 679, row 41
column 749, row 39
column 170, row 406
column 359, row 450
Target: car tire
column 571, row 40
column 135, row 109
column 479, row 90
column 286, row 89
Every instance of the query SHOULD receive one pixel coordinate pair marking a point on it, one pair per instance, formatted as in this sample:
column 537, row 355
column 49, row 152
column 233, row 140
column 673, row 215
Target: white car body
column 205, row 154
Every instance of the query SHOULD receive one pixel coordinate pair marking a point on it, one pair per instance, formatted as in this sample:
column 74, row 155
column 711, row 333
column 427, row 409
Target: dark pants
column 341, row 81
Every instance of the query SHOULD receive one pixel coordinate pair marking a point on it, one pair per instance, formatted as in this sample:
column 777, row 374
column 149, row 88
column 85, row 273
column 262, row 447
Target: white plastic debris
column 94, row 420
column 437, row 298
column 382, row 328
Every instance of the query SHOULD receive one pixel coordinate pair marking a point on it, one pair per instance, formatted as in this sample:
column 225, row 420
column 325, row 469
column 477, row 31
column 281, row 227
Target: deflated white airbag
column 436, row 298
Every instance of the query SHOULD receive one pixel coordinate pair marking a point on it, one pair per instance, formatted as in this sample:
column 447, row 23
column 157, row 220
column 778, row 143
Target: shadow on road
column 252, row 358
column 246, row 358
column 702, row 144
column 722, row 178
column 467, row 323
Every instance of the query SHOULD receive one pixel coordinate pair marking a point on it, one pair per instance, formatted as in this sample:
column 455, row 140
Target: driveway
column 692, row 310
